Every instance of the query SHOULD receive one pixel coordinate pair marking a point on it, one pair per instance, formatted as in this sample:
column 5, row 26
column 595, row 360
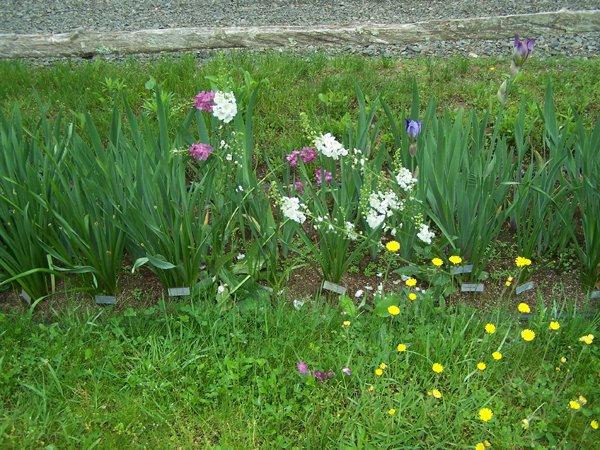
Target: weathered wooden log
column 86, row 43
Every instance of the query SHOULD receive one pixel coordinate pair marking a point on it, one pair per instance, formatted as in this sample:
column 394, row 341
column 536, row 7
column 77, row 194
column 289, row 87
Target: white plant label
column 179, row 292
column 461, row 269
column 25, row 296
column 525, row 287
column 105, row 300
column 468, row 287
column 327, row 285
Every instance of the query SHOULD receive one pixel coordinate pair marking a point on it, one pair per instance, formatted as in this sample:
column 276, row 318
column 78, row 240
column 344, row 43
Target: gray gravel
column 55, row 16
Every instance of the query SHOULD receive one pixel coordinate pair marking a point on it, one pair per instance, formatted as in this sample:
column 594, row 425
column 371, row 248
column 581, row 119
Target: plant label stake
column 595, row 294
column 25, row 296
column 468, row 287
column 179, row 292
column 105, row 299
column 525, row 287
column 329, row 286
column 461, row 269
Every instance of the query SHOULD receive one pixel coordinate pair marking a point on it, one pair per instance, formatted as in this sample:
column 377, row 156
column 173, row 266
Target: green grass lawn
column 185, row 376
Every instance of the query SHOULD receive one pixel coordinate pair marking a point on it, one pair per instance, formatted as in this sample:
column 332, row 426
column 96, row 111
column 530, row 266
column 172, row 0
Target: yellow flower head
column 371, row 388
column 480, row 446
column 481, row 366
column 383, row 366
column 525, row 423
column 437, row 368
column 378, row 372
column 437, row 262
column 524, row 308
column 485, row 414
column 393, row 310
column 574, row 404
column 455, row 259
column 594, row 424
column 582, row 400
column 554, row 325
column 411, row 282
column 401, row 347
column 412, row 296
column 497, row 356
column 392, row 411
column 487, row 443
column 528, row 335
column 507, row 283
column 436, row 393
column 522, row 262
column 490, row 328
column 346, row 323
column 587, row 339
column 392, row 246
column 563, row 360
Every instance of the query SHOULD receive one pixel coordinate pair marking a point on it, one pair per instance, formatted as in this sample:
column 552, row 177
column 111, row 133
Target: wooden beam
column 87, row 43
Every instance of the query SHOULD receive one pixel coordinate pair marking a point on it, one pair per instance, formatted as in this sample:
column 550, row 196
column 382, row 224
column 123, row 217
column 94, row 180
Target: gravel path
column 54, row 16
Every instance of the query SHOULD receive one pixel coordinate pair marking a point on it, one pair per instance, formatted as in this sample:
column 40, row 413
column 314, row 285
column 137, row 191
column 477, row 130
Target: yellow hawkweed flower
column 346, row 323
column 378, row 372
column 437, row 368
column 594, row 424
column 587, row 339
column 563, row 360
column 393, row 310
column 490, row 328
column 487, row 443
column 522, row 262
column 485, row 414
column 411, row 282
column 437, row 262
column 554, row 325
column 392, row 246
column 524, row 308
column 574, row 404
column 497, row 356
column 383, row 366
column 582, row 400
column 401, row 347
column 455, row 259
column 480, row 446
column 436, row 393
column 392, row 411
column 412, row 296
column 481, row 366
column 528, row 335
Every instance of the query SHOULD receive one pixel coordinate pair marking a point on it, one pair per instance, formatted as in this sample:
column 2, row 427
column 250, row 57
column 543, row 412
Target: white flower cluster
column 329, row 146
column 224, row 107
column 358, row 159
column 292, row 209
column 382, row 206
column 351, row 232
column 405, row 179
column 425, row 234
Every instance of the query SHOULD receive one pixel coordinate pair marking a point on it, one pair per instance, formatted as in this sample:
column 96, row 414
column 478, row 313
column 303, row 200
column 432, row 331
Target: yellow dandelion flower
column 557, row 369
column 393, row 310
column 480, row 446
column 437, row 262
column 574, row 404
column 371, row 388
column 594, row 424
column 455, row 259
column 508, row 281
column 401, row 347
column 437, row 368
column 346, row 323
column 587, row 339
column 481, row 366
column 383, row 366
column 487, row 443
column 412, row 296
column 582, row 400
column 485, row 414
column 411, row 282
column 490, row 328
column 378, row 372
column 392, row 246
column 497, row 356
column 554, row 325
column 392, row 411
column 436, row 393
column 563, row 360
column 528, row 335
column 522, row 262
column 524, row 308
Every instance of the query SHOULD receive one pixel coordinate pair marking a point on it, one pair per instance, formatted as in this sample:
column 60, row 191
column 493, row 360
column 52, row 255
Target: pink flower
column 302, row 367
column 299, row 187
column 330, row 374
column 319, row 375
column 347, row 371
column 319, row 175
column 292, row 158
column 204, row 101
column 308, row 154
column 200, row 152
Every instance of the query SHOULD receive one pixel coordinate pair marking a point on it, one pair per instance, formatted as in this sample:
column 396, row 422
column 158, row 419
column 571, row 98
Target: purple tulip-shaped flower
column 302, row 367
column 413, row 128
column 347, row 371
column 522, row 50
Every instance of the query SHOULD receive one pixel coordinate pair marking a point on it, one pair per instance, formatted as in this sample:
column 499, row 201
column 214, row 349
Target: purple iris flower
column 302, row 367
column 413, row 128
column 522, row 50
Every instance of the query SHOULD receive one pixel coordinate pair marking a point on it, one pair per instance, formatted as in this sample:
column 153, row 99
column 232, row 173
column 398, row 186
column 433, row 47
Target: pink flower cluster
column 308, row 154
column 204, row 101
column 321, row 376
column 200, row 152
column 319, row 176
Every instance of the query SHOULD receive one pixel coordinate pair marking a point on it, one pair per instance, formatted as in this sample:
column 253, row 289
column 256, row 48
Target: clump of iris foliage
column 190, row 376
